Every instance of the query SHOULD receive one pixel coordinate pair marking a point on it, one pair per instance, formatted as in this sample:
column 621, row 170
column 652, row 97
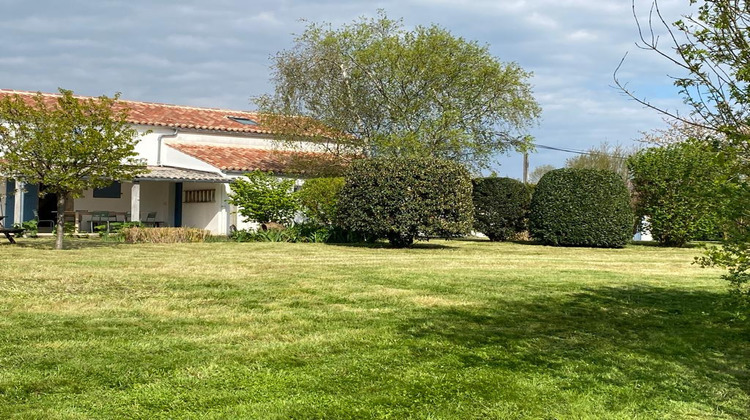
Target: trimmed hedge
column 500, row 207
column 581, row 207
column 402, row 198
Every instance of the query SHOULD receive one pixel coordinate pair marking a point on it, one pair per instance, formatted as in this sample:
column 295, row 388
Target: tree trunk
column 60, row 220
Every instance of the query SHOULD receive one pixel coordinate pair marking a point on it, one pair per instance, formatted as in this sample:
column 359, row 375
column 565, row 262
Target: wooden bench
column 11, row 231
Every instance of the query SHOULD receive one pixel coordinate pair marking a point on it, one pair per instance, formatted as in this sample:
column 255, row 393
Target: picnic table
column 8, row 231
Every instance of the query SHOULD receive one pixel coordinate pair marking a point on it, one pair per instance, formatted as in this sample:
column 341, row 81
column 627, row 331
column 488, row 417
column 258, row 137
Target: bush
column 500, row 207
column 262, row 198
column 401, row 198
column 319, row 198
column 163, row 235
column 581, row 207
column 303, row 232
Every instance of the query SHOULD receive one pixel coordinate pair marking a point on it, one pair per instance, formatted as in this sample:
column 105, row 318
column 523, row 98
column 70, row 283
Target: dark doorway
column 47, row 210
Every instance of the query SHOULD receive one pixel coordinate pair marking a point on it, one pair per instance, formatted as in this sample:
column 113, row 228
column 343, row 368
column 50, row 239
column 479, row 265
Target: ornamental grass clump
column 581, row 207
column 166, row 235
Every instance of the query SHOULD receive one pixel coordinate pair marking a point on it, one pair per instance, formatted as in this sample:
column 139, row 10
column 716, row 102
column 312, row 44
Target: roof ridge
column 199, row 108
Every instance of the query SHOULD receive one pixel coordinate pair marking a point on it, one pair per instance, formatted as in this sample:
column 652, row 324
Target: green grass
column 460, row 329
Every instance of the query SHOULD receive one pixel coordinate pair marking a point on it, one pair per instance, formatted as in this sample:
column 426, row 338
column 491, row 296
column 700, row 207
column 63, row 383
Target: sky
column 217, row 54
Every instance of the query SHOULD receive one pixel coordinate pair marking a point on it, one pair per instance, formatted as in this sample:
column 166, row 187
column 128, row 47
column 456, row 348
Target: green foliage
column 261, row 197
column 302, row 232
column 402, row 198
column 734, row 254
column 30, row 227
column 711, row 50
column 319, row 198
column 581, row 207
column 678, row 187
column 383, row 90
column 68, row 144
column 500, row 207
column 604, row 157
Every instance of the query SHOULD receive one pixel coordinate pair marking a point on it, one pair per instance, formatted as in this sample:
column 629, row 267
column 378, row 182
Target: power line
column 579, row 152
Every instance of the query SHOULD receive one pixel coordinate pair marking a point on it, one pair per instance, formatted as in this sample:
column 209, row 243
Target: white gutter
column 159, row 144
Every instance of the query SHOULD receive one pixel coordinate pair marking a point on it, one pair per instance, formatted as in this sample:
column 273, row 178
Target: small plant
column 30, row 227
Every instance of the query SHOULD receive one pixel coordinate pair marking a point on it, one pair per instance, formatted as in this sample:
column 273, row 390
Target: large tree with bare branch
column 711, row 51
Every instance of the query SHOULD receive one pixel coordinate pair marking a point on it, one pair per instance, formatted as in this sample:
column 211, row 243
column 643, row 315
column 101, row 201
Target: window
column 243, row 120
column 113, row 190
column 199, row 196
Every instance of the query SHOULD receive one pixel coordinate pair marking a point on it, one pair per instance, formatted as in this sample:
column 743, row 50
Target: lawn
column 446, row 330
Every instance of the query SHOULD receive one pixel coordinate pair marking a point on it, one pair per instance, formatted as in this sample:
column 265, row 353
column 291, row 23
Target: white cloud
column 216, row 53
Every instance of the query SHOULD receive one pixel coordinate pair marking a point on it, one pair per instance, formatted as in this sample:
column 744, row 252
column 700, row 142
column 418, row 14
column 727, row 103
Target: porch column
column 18, row 208
column 135, row 202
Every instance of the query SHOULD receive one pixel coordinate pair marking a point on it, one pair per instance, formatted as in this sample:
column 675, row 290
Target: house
column 192, row 155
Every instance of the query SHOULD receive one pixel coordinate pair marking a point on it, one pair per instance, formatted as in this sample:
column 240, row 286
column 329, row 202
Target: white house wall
column 87, row 202
column 156, row 197
column 211, row 216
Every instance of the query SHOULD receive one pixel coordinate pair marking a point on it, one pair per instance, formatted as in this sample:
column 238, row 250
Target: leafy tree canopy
column 605, row 157
column 389, row 91
column 68, row 144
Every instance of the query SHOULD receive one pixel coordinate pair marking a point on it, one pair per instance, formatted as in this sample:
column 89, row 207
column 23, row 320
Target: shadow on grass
column 664, row 344
column 386, row 245
column 68, row 243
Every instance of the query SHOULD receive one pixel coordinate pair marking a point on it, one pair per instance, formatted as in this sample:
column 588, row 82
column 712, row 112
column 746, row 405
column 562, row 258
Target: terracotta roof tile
column 245, row 159
column 173, row 116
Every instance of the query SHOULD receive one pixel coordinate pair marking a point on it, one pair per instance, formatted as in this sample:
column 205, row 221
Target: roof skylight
column 243, row 120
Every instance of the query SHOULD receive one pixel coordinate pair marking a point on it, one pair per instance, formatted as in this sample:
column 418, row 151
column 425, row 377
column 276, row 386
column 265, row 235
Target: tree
column 712, row 51
column 605, row 157
column 382, row 90
column 678, row 188
column 402, row 198
column 539, row 172
column 261, row 197
column 68, row 144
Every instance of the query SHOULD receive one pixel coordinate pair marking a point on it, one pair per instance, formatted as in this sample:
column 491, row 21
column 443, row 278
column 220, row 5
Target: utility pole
column 525, row 167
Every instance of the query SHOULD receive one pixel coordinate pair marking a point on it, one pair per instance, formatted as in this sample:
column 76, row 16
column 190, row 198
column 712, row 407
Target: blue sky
column 216, row 54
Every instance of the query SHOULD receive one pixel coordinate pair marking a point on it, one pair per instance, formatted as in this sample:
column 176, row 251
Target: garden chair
column 151, row 220
column 44, row 223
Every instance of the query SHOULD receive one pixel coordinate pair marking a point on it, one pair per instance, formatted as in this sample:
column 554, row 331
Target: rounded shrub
column 581, row 207
column 402, row 198
column 500, row 207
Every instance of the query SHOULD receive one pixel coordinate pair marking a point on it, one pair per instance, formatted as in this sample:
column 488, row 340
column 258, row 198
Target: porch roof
column 246, row 159
column 169, row 173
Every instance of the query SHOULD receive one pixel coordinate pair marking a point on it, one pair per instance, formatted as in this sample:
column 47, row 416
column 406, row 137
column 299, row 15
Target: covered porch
column 173, row 196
